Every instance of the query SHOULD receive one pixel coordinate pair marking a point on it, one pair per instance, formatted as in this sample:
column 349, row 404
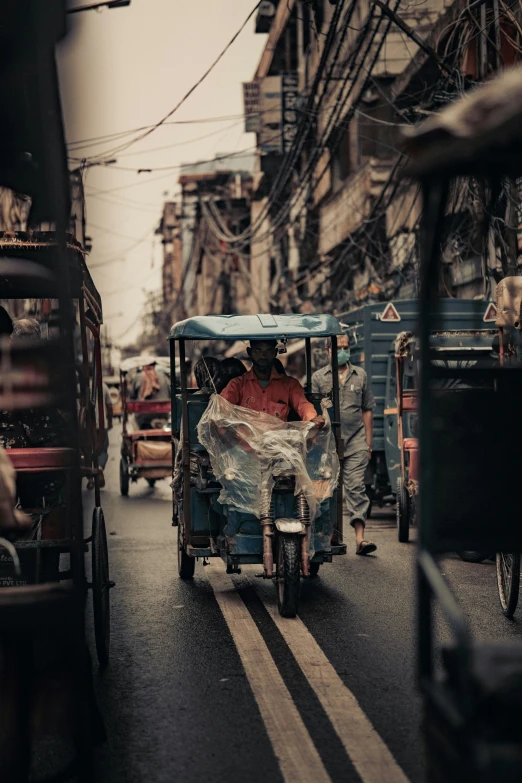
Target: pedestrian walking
column 356, row 404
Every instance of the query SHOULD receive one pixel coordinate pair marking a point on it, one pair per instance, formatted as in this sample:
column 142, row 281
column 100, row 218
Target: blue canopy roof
column 255, row 327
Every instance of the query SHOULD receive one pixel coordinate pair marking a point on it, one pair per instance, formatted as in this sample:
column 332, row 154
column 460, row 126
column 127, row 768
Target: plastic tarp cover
column 248, row 450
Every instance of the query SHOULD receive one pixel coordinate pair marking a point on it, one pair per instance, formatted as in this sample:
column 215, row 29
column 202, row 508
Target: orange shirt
column 281, row 394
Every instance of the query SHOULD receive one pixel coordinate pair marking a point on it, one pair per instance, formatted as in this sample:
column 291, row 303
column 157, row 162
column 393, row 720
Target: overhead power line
column 194, row 87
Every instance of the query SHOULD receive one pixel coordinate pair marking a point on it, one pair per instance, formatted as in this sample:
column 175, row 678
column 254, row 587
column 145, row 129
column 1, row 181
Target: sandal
column 365, row 547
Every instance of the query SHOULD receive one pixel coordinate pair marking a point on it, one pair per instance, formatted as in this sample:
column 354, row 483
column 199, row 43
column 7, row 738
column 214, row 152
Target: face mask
column 343, row 356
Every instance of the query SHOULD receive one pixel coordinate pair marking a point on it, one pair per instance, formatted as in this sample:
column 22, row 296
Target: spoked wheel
column 151, row 483
column 100, row 587
column 186, row 564
column 508, row 580
column 124, row 477
column 403, row 512
column 288, row 574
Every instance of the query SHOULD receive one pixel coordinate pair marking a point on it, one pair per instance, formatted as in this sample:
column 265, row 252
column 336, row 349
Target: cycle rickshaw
column 274, row 525
column 49, row 428
column 469, row 463
column 146, row 450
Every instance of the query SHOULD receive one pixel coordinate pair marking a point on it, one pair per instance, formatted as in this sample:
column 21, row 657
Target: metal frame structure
column 219, row 328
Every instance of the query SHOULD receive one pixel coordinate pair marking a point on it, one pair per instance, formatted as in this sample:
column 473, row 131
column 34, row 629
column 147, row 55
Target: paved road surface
column 206, row 682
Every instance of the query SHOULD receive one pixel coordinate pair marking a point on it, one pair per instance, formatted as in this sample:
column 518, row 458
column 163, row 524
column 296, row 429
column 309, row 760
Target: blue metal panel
column 372, row 339
column 255, row 327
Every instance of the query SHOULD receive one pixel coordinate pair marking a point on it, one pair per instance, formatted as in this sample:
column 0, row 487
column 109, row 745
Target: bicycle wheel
column 508, row 580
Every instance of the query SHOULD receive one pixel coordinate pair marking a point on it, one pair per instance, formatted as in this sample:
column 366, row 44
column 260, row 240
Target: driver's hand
column 319, row 422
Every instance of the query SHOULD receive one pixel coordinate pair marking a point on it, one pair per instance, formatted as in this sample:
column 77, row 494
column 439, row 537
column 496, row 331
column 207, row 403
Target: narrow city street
column 207, row 682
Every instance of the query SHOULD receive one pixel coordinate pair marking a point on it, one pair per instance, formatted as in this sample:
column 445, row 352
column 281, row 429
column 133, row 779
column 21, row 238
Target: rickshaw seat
column 496, row 680
column 410, row 444
column 42, row 458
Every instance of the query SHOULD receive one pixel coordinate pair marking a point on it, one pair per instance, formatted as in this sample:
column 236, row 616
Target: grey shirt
column 355, row 396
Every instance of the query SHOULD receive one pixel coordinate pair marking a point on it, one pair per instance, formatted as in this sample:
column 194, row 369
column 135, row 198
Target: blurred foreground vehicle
column 49, row 386
column 470, row 428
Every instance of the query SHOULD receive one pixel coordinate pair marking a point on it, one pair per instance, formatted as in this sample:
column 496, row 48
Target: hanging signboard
column 290, row 99
column 251, row 107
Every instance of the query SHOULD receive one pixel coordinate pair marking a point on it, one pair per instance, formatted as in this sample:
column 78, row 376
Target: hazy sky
column 125, row 68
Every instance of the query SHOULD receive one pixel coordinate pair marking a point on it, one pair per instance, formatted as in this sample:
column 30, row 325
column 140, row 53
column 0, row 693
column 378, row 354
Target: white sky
column 125, row 68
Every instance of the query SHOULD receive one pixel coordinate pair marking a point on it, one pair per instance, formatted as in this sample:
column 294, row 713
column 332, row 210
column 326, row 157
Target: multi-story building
column 333, row 222
column 201, row 275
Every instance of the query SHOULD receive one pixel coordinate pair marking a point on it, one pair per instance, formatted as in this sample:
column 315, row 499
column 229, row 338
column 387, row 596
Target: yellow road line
column 369, row 754
column 298, row 758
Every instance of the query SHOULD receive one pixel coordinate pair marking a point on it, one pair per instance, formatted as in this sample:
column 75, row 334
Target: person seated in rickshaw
column 151, row 384
column 230, row 368
column 207, row 372
column 264, row 389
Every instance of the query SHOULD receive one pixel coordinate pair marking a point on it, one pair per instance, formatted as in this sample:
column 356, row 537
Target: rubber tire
column 469, row 556
column 101, row 587
column 403, row 512
column 151, row 483
column 186, row 564
column 124, row 478
column 508, row 598
column 288, row 574
column 314, row 570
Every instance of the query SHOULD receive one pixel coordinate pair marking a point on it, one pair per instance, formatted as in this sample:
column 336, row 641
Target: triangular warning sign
column 390, row 313
column 491, row 312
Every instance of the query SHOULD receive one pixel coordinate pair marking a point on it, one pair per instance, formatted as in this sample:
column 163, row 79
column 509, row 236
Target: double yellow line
column 297, row 755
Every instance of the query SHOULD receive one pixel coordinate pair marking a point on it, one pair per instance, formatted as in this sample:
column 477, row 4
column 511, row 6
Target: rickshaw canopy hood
column 479, row 134
column 255, row 327
column 137, row 362
column 34, row 253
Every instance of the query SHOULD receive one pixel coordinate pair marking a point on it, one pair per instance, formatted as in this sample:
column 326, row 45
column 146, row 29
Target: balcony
column 344, row 212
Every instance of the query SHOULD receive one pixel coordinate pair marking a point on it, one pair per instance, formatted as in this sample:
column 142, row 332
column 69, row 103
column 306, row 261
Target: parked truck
column 373, row 330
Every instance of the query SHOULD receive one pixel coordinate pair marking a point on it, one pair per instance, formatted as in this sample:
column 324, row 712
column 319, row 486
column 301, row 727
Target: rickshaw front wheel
column 508, row 580
column 288, row 574
column 403, row 512
column 186, row 564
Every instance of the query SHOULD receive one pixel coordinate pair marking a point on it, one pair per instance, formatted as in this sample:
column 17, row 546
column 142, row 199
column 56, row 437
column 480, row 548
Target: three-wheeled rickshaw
column 146, row 450
column 451, row 348
column 50, row 386
column 470, row 468
column 283, row 525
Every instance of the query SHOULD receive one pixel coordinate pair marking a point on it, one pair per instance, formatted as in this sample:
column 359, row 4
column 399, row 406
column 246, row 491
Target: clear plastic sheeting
column 250, row 450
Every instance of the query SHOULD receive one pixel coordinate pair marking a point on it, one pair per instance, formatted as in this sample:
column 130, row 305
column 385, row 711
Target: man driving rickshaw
column 264, row 389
